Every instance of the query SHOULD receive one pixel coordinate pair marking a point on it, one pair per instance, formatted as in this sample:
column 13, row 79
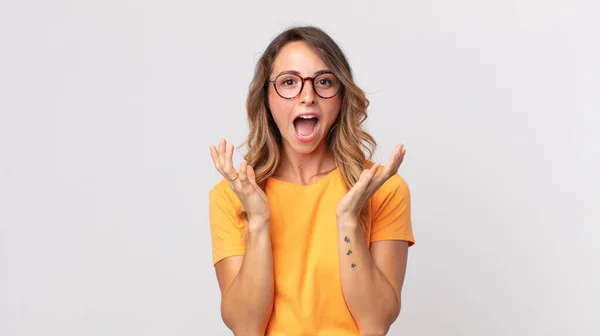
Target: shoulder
column 222, row 191
column 224, row 207
column 391, row 211
column 220, row 186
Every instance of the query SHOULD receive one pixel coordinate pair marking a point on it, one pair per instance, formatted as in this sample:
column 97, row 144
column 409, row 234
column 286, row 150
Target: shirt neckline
column 320, row 181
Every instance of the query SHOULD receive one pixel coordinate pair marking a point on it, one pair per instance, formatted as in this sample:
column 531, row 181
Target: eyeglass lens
column 289, row 85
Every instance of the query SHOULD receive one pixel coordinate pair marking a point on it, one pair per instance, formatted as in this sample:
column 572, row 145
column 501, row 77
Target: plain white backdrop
column 107, row 109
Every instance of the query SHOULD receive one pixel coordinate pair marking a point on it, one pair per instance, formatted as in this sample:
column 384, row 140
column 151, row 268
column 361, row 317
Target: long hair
column 350, row 144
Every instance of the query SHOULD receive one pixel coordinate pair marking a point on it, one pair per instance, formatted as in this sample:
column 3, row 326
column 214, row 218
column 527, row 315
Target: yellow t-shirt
column 308, row 292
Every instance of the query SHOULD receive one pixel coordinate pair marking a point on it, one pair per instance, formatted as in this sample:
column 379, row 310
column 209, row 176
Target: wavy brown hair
column 350, row 144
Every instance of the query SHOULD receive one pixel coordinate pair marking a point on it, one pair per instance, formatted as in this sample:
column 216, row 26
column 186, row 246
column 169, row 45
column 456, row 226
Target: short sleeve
column 391, row 212
column 226, row 227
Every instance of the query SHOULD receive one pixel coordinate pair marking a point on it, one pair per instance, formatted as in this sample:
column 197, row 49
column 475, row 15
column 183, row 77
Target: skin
column 246, row 282
column 303, row 163
column 372, row 278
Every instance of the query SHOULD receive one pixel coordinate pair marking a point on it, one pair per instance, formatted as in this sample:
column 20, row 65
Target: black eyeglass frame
column 303, row 79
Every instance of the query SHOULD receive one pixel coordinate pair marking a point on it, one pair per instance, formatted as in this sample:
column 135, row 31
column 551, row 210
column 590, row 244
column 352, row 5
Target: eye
column 287, row 81
column 325, row 81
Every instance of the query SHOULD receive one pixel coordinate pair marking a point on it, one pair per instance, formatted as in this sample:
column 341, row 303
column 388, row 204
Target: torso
column 308, row 292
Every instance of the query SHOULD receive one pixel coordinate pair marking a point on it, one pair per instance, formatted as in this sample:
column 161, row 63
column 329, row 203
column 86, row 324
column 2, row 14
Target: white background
column 107, row 109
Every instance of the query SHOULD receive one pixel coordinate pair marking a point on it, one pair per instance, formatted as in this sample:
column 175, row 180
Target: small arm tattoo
column 349, row 252
column 353, row 265
column 346, row 239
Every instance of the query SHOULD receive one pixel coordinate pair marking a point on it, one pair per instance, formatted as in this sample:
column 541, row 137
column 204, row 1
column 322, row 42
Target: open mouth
column 306, row 126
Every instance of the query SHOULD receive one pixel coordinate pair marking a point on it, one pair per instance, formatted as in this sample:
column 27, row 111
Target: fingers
column 363, row 174
column 399, row 155
column 221, row 152
column 400, row 151
column 215, row 157
column 223, row 160
column 243, row 176
column 372, row 172
column 366, row 177
column 394, row 162
column 252, row 176
column 389, row 170
column 230, row 173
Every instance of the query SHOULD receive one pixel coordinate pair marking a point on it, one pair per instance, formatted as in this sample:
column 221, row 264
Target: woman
column 309, row 236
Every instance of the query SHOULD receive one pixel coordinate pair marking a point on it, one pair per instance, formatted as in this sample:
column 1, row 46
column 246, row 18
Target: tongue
column 305, row 127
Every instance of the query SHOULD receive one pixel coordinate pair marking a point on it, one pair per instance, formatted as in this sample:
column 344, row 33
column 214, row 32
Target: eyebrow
column 295, row 72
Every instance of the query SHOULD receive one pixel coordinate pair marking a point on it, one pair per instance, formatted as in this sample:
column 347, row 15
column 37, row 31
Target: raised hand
column 350, row 206
column 253, row 198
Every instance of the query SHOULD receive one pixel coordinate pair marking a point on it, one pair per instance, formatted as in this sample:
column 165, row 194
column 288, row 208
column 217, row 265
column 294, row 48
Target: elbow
column 243, row 325
column 374, row 332
column 247, row 332
column 380, row 327
column 239, row 328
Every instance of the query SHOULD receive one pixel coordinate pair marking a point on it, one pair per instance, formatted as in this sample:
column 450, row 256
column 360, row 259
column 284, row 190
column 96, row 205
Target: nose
column 307, row 95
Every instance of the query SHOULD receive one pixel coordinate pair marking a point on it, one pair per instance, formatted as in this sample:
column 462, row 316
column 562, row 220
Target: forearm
column 369, row 295
column 248, row 303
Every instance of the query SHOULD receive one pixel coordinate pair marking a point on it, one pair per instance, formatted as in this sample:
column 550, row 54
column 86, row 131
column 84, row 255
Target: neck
column 307, row 168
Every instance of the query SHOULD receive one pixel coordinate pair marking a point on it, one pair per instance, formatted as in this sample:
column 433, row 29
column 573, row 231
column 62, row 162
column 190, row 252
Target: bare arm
column 246, row 282
column 246, row 285
column 371, row 280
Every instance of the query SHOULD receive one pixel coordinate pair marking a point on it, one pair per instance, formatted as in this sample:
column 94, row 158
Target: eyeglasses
column 288, row 86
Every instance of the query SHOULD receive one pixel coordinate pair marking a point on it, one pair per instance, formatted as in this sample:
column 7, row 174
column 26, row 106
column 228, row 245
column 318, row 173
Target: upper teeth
column 306, row 117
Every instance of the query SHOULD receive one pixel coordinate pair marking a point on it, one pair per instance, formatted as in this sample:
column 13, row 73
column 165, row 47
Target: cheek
column 280, row 109
column 332, row 109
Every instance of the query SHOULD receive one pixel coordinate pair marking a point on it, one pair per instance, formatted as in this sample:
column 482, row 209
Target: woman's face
column 305, row 120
